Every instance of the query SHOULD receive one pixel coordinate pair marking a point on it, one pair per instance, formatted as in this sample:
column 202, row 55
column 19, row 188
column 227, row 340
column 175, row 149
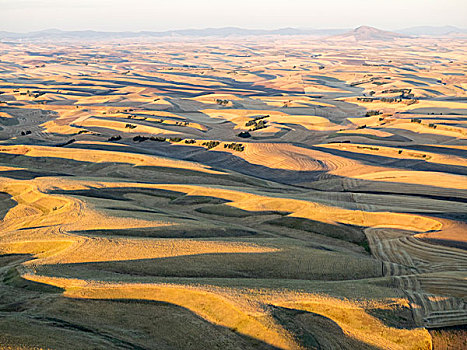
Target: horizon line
column 50, row 29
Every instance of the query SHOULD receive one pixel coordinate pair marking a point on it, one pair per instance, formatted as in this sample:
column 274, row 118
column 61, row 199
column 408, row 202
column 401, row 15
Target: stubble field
column 283, row 193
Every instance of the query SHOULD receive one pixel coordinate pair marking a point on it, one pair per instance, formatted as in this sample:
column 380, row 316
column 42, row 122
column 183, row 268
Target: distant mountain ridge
column 432, row 30
column 206, row 32
column 361, row 33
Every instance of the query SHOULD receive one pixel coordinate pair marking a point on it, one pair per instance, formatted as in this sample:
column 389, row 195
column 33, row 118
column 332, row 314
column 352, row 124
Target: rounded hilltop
column 367, row 33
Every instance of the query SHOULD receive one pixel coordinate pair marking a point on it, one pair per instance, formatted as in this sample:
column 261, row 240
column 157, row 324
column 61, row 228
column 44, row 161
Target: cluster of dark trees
column 235, row 146
column 222, row 102
column 395, row 91
column 27, row 132
column 257, row 123
column 152, row 138
column 391, row 99
column 34, row 94
column 211, row 144
column 383, row 99
column 244, row 134
column 371, row 80
column 254, row 121
column 130, row 126
column 419, row 121
column 378, row 83
column 372, row 113
column 178, row 123
column 136, row 117
column 405, row 93
column 139, row 138
column 369, row 147
column 115, row 138
column 408, row 101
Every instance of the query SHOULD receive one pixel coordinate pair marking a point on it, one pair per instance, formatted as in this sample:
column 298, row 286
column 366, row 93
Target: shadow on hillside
column 226, row 161
column 12, row 278
column 69, row 323
column 6, row 203
column 396, row 163
column 288, row 263
column 179, row 231
column 314, row 331
column 70, row 167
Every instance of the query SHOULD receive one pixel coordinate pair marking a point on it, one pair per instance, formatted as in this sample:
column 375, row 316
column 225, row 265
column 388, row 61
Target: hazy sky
column 157, row 15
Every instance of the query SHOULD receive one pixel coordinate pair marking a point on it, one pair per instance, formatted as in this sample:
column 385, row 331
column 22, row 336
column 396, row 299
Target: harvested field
column 237, row 194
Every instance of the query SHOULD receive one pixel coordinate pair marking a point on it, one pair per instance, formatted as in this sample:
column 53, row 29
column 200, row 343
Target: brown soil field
column 281, row 193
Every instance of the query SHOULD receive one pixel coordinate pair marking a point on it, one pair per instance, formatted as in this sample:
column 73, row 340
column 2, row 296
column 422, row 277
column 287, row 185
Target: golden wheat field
column 233, row 194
